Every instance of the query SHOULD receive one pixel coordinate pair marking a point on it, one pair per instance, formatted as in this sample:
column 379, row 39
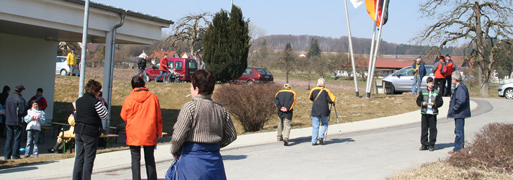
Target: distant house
column 157, row 55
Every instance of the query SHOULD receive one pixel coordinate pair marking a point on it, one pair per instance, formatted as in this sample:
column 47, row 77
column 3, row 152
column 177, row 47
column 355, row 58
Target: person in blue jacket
column 420, row 71
column 459, row 109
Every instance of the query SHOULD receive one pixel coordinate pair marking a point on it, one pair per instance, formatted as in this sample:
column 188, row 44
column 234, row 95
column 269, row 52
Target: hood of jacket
column 140, row 94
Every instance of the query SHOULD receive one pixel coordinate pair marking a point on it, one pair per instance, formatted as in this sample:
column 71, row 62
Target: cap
column 286, row 86
column 19, row 87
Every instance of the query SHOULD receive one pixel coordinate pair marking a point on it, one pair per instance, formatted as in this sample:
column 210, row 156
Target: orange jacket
column 450, row 67
column 141, row 112
column 163, row 65
column 438, row 66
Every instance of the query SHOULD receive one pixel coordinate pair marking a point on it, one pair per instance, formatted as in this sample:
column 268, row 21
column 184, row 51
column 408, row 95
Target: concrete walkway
column 120, row 160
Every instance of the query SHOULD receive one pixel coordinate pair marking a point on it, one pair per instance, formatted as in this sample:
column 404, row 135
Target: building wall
column 30, row 62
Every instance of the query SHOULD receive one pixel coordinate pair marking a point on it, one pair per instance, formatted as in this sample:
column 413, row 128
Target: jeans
column 315, row 127
column 163, row 78
column 459, row 130
column 32, row 140
column 428, row 125
column 71, row 69
column 13, row 142
column 85, row 153
column 141, row 71
column 415, row 87
column 149, row 159
column 283, row 128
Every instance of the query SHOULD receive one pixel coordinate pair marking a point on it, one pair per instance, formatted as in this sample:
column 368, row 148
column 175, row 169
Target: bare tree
column 189, row 30
column 286, row 61
column 485, row 24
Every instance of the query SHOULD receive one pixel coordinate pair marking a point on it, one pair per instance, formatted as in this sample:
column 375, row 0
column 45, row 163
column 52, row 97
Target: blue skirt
column 197, row 161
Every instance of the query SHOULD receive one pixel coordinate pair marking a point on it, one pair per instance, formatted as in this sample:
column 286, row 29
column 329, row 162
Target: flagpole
column 351, row 51
column 369, row 78
column 379, row 38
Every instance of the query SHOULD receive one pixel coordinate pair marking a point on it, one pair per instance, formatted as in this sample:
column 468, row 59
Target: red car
column 255, row 75
column 184, row 67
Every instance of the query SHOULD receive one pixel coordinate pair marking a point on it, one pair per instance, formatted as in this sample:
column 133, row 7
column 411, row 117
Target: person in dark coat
column 429, row 100
column 459, row 109
column 3, row 97
column 321, row 98
column 142, row 66
column 91, row 111
column 420, row 71
column 15, row 110
column 285, row 100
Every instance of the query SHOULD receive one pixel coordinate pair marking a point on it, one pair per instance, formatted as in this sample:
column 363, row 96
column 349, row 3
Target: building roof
column 385, row 63
column 160, row 54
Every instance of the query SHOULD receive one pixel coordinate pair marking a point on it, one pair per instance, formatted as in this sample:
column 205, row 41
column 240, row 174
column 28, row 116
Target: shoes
column 285, row 142
column 51, row 150
column 423, row 148
column 452, row 152
column 315, row 144
column 26, row 156
column 280, row 139
column 431, row 148
column 321, row 140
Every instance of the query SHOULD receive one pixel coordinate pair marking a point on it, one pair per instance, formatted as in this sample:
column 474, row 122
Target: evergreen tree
column 226, row 45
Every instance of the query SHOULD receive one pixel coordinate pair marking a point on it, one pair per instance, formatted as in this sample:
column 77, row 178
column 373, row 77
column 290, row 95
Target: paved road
column 371, row 154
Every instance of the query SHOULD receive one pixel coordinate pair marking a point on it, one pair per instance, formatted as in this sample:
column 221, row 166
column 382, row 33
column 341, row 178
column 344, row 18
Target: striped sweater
column 202, row 121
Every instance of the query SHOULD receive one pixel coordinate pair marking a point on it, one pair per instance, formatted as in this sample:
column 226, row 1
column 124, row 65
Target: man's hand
column 283, row 109
column 432, row 104
column 424, row 104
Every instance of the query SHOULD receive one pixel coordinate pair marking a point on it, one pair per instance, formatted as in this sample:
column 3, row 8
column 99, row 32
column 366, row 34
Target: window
column 170, row 64
column 406, row 72
column 178, row 65
column 191, row 64
column 248, row 71
column 61, row 59
column 263, row 71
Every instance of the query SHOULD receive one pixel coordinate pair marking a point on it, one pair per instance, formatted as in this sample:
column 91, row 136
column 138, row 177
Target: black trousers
column 440, row 85
column 428, row 124
column 149, row 160
column 85, row 153
column 448, row 82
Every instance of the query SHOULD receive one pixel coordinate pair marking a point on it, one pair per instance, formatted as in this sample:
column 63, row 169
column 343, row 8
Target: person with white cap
column 321, row 98
column 285, row 100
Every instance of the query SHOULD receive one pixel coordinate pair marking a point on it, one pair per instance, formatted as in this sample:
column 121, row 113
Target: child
column 429, row 100
column 33, row 119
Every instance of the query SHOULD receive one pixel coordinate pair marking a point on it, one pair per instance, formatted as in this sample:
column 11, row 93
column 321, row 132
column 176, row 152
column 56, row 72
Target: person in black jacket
column 459, row 109
column 142, row 66
column 3, row 97
column 88, row 127
column 15, row 110
column 285, row 100
column 429, row 100
column 321, row 98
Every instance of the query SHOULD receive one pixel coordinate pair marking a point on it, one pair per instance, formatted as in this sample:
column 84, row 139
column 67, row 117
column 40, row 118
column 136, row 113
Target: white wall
column 30, row 62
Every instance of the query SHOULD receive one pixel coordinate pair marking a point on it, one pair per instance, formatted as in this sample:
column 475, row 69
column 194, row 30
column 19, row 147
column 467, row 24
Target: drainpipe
column 109, row 68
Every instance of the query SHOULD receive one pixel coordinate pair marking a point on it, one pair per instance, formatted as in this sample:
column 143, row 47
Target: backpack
column 444, row 70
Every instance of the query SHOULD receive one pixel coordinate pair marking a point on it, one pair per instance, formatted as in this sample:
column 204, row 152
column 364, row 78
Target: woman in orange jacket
column 141, row 112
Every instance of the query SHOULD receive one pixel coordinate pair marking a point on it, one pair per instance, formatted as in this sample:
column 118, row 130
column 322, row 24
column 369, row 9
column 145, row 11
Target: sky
column 294, row 17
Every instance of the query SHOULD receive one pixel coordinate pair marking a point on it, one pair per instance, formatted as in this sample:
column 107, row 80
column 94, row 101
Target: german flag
column 371, row 9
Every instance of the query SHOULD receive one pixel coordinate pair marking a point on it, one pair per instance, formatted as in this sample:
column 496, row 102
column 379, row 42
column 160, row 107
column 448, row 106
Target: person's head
column 39, row 92
column 456, row 77
column 441, row 57
column 321, row 82
column 6, row 89
column 93, row 87
column 447, row 57
column 34, row 104
column 137, row 81
column 287, row 86
column 419, row 60
column 429, row 82
column 19, row 89
column 203, row 82
column 165, row 55
column 72, row 50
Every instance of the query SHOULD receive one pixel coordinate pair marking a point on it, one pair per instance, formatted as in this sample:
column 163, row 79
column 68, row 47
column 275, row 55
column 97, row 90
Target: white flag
column 357, row 3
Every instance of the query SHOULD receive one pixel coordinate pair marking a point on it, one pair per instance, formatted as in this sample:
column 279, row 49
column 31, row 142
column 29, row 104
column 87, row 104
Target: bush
column 492, row 149
column 251, row 105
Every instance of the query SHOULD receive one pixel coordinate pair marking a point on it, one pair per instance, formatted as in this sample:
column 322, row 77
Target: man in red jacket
column 163, row 69
column 41, row 101
column 141, row 112
column 439, row 77
column 448, row 76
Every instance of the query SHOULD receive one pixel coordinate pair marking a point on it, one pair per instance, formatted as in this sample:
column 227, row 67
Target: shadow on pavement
column 297, row 141
column 443, row 146
column 234, row 157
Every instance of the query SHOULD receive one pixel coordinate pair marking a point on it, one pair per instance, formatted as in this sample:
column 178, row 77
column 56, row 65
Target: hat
column 286, row 86
column 19, row 87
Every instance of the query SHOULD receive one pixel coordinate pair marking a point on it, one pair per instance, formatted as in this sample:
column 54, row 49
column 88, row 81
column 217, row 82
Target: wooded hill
column 329, row 44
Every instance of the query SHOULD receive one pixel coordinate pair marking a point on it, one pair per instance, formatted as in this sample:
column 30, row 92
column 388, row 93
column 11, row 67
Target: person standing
column 202, row 128
column 41, row 101
column 448, row 76
column 15, row 110
column 34, row 118
column 429, row 100
column 420, row 71
column 141, row 112
column 142, row 65
column 321, row 98
column 88, row 128
column 71, row 60
column 163, row 69
column 285, row 100
column 459, row 109
column 3, row 97
column 439, row 77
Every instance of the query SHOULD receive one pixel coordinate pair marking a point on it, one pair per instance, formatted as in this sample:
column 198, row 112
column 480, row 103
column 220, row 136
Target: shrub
column 492, row 149
column 251, row 105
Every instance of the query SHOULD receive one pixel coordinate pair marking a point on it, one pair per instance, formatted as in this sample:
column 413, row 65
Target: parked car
column 506, row 91
column 402, row 80
column 184, row 68
column 61, row 66
column 255, row 75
